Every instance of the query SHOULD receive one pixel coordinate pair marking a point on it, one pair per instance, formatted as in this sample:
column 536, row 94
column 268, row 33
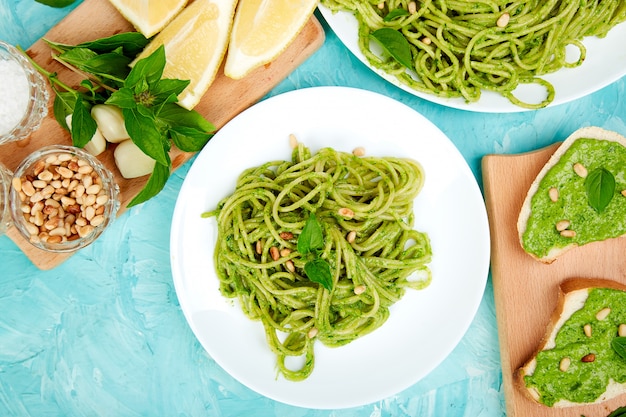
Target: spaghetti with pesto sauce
column 365, row 209
column 460, row 48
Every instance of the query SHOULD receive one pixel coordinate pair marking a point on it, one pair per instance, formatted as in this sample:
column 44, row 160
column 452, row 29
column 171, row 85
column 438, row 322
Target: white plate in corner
column 604, row 64
column 411, row 343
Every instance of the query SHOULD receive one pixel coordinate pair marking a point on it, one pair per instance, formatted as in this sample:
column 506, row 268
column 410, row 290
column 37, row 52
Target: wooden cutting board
column 525, row 290
column 225, row 98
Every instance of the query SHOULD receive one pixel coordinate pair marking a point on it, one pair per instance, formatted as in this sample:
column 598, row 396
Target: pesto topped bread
column 582, row 357
column 578, row 197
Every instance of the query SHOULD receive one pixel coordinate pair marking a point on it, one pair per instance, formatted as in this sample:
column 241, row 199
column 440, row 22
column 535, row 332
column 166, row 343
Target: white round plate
column 423, row 327
column 604, row 64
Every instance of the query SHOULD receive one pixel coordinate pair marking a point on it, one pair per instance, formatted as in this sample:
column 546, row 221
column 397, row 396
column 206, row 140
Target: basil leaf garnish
column 600, row 187
column 318, row 270
column 395, row 44
column 620, row 412
column 619, row 346
column 312, row 237
column 396, row 13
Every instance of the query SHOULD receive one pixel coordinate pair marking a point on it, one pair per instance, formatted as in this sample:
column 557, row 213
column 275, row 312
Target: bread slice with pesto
column 578, row 197
column 577, row 362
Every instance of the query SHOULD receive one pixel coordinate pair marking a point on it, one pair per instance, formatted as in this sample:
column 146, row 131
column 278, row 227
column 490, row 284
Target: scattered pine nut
column 293, row 141
column 346, row 212
column 290, row 266
column 426, row 40
column 568, row 233
column 359, row 151
column 602, row 314
column 312, row 332
column 381, row 5
column 351, row 236
column 359, row 289
column 580, row 170
column 412, row 7
column 621, row 331
column 624, row 193
column 274, row 253
column 564, row 364
column 285, row 251
column 286, row 235
column 503, row 20
column 554, row 194
column 587, row 329
column 588, row 358
column 562, row 225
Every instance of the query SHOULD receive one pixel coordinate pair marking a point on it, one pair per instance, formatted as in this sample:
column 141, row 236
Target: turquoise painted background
column 103, row 333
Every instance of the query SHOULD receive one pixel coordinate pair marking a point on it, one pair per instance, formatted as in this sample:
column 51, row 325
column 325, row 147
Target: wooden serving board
column 225, row 98
column 526, row 290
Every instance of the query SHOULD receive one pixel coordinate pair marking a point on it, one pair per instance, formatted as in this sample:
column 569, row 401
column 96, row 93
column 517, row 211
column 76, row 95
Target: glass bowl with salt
column 23, row 95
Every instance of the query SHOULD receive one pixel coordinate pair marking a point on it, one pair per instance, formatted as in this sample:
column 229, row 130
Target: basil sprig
column 148, row 101
column 600, row 188
column 310, row 244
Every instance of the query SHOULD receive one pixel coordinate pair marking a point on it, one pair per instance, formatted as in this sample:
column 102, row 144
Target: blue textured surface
column 103, row 334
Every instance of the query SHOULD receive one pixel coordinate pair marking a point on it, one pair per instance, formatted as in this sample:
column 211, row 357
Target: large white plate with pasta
column 423, row 327
column 604, row 64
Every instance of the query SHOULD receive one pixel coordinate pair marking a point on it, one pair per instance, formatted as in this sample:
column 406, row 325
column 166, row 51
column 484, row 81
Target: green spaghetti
column 364, row 209
column 459, row 48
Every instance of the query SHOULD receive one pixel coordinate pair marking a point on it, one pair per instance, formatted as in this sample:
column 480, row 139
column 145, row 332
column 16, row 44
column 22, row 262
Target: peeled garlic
column 110, row 122
column 131, row 161
column 96, row 145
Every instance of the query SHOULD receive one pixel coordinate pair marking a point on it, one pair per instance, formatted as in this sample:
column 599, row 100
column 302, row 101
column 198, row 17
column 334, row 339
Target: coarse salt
column 14, row 94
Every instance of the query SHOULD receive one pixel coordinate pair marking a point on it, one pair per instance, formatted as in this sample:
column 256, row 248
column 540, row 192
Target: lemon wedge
column 149, row 16
column 263, row 29
column 195, row 44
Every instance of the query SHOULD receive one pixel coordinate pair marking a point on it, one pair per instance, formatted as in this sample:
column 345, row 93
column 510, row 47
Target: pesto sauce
column 583, row 382
column 573, row 204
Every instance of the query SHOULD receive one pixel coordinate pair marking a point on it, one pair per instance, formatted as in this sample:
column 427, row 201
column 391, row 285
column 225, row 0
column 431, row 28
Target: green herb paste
column 583, row 382
column 572, row 204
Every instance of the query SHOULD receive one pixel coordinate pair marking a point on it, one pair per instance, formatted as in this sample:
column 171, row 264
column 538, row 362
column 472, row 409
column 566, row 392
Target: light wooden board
column 526, row 290
column 225, row 98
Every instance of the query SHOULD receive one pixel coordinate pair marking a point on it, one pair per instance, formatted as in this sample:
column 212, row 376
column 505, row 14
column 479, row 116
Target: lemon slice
column 149, row 16
column 262, row 29
column 195, row 44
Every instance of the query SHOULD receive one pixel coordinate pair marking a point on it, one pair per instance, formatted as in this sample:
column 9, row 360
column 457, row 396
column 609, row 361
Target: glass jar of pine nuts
column 5, row 206
column 62, row 198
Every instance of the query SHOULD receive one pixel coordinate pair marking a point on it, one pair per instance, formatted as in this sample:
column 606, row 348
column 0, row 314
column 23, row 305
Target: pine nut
column 580, row 169
column 93, row 189
column 97, row 221
column 293, row 141
column 312, row 332
column 602, row 314
column 562, row 225
column 16, row 182
column 346, row 212
column 359, row 151
column 503, row 20
column 621, row 331
column 588, row 358
column 554, row 194
column 286, row 235
column 564, row 364
column 359, row 289
column 274, row 253
column 258, row 247
column 568, row 233
column 45, row 175
column 28, row 188
column 624, row 193
column 351, row 236
column 290, row 266
column 426, row 40
column 587, row 329
column 412, row 7
column 39, row 183
column 285, row 252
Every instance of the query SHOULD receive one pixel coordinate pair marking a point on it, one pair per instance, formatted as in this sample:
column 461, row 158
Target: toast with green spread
column 582, row 357
column 578, row 197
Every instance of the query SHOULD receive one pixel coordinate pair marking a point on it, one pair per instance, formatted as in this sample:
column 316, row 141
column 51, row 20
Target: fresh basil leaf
column 174, row 115
column 395, row 44
column 142, row 130
column 619, row 346
column 318, row 270
column 600, row 187
column 312, row 236
column 110, row 65
column 77, row 56
column 620, row 412
column 122, row 98
column 83, row 125
column 155, row 184
column 56, row 3
column 188, row 139
column 149, row 69
column 396, row 13
column 62, row 106
column 167, row 90
column 131, row 43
